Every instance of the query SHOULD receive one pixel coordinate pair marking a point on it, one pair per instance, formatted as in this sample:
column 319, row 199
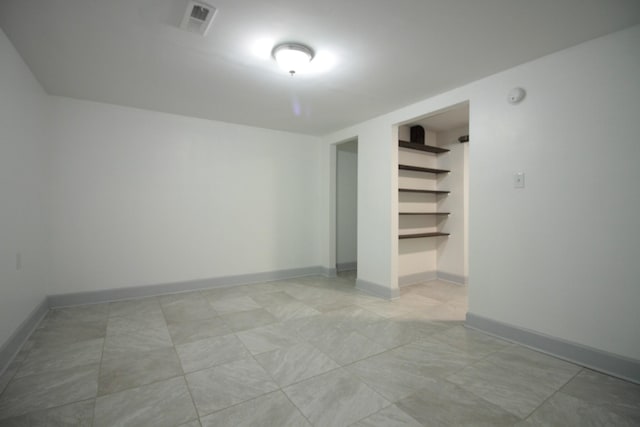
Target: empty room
column 302, row 213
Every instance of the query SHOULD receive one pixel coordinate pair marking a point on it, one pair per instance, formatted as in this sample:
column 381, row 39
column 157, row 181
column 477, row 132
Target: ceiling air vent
column 198, row 17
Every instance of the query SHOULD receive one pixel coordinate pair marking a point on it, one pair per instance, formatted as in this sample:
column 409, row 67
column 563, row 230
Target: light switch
column 518, row 180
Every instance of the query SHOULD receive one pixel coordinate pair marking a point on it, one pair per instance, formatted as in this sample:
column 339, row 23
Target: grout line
column 104, row 342
column 304, row 340
column 183, row 376
column 554, row 393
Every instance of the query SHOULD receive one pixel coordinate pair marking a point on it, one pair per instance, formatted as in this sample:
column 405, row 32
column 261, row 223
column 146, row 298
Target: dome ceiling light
column 292, row 57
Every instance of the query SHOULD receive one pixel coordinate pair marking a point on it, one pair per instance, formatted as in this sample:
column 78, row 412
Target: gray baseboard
column 412, row 279
column 599, row 360
column 10, row 348
column 329, row 272
column 427, row 276
column 346, row 266
column 106, row 295
column 453, row 278
column 377, row 290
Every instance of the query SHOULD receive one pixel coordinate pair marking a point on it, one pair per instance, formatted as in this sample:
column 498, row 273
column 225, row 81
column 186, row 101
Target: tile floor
column 309, row 351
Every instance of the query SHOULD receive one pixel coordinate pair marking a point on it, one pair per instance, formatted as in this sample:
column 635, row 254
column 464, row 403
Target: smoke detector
column 198, row 17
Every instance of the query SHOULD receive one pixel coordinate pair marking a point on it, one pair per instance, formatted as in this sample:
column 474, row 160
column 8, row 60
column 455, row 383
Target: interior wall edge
column 415, row 278
column 10, row 348
column 453, row 278
column 346, row 266
column 377, row 290
column 428, row 276
column 588, row 357
column 329, row 272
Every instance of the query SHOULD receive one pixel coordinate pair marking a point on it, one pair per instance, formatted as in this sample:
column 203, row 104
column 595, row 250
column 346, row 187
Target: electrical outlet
column 518, row 180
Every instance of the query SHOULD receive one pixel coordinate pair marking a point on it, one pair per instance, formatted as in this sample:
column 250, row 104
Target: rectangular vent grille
column 200, row 13
column 198, row 17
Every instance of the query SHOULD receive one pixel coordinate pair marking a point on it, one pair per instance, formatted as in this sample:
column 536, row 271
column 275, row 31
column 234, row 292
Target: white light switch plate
column 518, row 180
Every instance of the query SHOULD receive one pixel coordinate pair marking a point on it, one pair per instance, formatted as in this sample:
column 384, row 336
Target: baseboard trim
column 428, row 276
column 106, row 295
column 346, row 266
column 377, row 290
column 453, row 278
column 10, row 348
column 329, row 272
column 412, row 279
column 599, row 360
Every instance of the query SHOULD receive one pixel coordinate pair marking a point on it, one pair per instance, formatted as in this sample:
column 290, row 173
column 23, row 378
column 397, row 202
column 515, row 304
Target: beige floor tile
column 79, row 414
column 134, row 369
column 48, row 390
column 165, row 403
column 226, row 385
column 441, row 403
column 209, row 352
column 404, row 362
column 273, row 409
column 335, row 399
column 293, row 364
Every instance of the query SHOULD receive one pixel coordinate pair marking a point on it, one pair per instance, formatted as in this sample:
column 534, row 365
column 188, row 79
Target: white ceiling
column 384, row 54
column 453, row 118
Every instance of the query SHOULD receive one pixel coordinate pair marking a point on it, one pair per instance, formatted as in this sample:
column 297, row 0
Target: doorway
column 347, row 209
column 433, row 210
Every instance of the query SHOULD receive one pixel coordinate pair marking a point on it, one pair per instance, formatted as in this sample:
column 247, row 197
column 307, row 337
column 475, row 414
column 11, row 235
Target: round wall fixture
column 516, row 95
column 292, row 57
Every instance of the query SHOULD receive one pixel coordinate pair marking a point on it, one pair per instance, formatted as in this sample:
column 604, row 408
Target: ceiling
column 452, row 118
column 372, row 56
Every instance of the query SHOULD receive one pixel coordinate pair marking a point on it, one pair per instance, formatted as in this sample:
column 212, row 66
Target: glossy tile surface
column 293, row 364
column 226, row 385
column 565, row 410
column 268, row 338
column 194, row 330
column 335, row 399
column 211, row 352
column 165, row 403
column 129, row 370
column 441, row 403
column 48, row 390
column 250, row 319
column 346, row 347
column 311, row 351
column 605, row 392
column 79, row 414
column 391, row 416
column 65, row 356
column 516, row 379
column 273, row 409
column 186, row 307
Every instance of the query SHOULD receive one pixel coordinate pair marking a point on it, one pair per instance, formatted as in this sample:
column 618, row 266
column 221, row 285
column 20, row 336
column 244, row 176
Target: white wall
column 559, row 257
column 451, row 256
column 377, row 197
column 140, row 197
column 23, row 145
column 347, row 203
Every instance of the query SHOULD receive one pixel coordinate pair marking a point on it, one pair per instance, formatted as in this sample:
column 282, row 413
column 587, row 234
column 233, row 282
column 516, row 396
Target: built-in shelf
column 419, row 235
column 424, row 213
column 413, row 190
column 421, row 147
column 421, row 169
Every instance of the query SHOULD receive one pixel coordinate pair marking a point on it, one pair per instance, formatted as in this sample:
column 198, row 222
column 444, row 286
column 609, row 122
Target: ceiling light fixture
column 292, row 57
